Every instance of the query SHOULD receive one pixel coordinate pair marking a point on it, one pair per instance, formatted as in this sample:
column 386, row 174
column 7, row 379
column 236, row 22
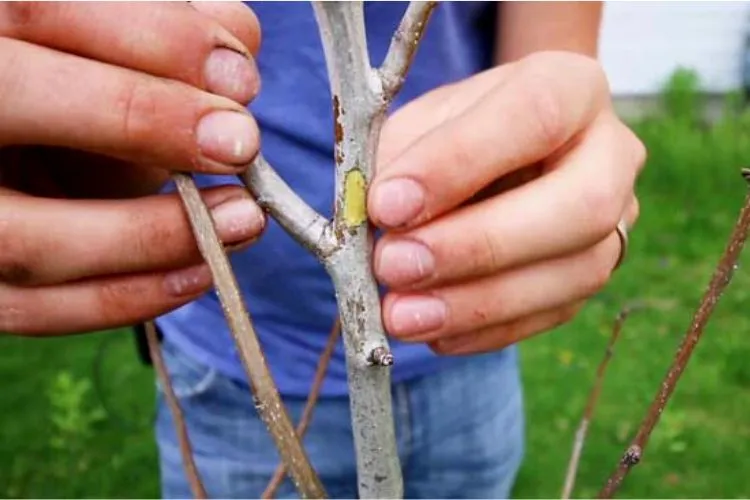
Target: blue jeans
column 459, row 432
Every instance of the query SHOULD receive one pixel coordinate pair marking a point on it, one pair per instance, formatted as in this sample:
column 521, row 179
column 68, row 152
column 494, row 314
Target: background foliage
column 76, row 413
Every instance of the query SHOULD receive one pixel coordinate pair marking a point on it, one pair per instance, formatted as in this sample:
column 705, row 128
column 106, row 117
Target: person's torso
column 287, row 291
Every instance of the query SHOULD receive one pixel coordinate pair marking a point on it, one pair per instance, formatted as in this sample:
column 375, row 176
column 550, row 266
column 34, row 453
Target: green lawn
column 59, row 440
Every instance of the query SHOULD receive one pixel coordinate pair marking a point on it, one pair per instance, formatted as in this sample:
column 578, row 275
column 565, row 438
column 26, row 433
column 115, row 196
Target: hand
column 100, row 101
column 499, row 197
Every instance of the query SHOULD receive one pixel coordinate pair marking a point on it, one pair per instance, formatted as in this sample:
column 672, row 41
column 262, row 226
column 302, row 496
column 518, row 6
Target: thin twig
column 403, row 46
column 588, row 413
column 312, row 399
column 719, row 281
column 188, row 461
column 267, row 400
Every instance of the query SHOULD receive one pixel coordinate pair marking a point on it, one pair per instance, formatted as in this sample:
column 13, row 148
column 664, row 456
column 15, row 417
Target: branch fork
column 360, row 98
column 361, row 95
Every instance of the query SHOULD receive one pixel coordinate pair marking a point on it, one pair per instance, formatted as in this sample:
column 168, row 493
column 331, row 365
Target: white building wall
column 643, row 42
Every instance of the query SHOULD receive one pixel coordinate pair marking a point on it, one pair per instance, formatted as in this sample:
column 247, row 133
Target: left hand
column 476, row 259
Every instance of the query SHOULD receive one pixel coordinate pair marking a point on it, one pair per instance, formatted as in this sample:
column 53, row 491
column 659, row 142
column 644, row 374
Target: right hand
column 98, row 102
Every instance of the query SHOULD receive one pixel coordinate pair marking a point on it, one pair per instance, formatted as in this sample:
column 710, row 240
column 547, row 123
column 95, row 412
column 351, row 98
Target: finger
column 632, row 212
column 171, row 40
column 501, row 336
column 428, row 112
column 46, row 241
column 99, row 304
column 527, row 119
column 461, row 308
column 570, row 208
column 118, row 112
column 237, row 18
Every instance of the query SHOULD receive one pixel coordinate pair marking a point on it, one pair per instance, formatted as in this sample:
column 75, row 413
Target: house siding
column 642, row 43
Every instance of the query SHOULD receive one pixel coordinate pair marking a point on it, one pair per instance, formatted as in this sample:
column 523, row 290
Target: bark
column 360, row 97
column 312, row 399
column 186, row 450
column 267, row 400
column 307, row 226
column 588, row 413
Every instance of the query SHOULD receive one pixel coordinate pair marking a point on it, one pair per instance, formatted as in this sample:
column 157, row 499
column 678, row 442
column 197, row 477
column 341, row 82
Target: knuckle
column 549, row 93
column 593, row 71
column 486, row 255
column 556, row 62
column 638, row 150
column 634, row 209
column 600, row 203
column 135, row 105
column 545, row 110
column 632, row 148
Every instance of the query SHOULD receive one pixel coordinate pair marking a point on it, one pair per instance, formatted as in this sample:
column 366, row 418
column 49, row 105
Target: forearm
column 526, row 27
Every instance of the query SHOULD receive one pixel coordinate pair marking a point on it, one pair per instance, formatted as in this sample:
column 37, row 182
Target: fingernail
column 188, row 281
column 231, row 75
column 228, row 137
column 403, row 262
column 397, row 201
column 412, row 315
column 237, row 220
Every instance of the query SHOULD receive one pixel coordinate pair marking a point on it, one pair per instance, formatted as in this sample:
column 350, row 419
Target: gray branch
column 359, row 106
column 404, row 45
column 360, row 98
column 301, row 221
column 358, row 114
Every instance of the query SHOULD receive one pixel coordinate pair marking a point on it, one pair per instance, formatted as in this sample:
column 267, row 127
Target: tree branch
column 359, row 107
column 188, row 461
column 719, row 281
column 358, row 115
column 404, row 45
column 266, row 396
column 312, row 399
column 307, row 226
column 588, row 413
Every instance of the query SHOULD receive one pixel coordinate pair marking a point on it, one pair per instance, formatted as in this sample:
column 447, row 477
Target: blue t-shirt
column 288, row 292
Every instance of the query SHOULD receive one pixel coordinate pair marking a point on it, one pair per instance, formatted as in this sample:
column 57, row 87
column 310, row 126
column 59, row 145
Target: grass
column 690, row 195
column 58, row 441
